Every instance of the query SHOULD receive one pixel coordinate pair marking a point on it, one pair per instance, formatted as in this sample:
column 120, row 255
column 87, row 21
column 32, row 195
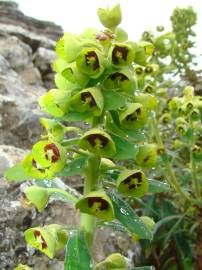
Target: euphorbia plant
column 98, row 80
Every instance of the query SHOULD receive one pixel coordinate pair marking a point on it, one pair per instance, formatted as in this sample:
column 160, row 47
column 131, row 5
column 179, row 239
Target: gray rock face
column 26, row 56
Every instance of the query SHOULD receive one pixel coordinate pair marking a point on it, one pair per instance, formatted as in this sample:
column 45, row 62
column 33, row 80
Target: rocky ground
column 26, row 55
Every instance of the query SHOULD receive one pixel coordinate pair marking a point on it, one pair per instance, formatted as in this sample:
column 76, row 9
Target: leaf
column 126, row 216
column 16, row 173
column 124, row 148
column 164, row 221
column 77, row 254
column 113, row 100
column 74, row 167
column 116, row 226
column 76, row 116
column 157, row 186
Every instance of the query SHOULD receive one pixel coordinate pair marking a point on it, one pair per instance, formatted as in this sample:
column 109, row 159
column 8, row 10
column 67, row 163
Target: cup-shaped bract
column 132, row 183
column 56, row 130
column 110, row 18
column 114, row 261
column 90, row 99
column 121, row 54
column 143, row 51
column 181, row 125
column 133, row 117
column 195, row 115
column 55, row 102
column 68, row 47
column 148, row 101
column 73, row 75
column 197, row 152
column 38, row 196
column 97, row 204
column 99, row 142
column 49, row 154
column 147, row 155
column 47, row 239
column 166, row 118
column 90, row 62
column 149, row 88
column 120, row 80
column 106, row 164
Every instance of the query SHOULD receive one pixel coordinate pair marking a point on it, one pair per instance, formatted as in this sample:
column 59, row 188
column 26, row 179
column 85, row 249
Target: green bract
column 132, row 183
column 38, row 196
column 121, row 54
column 68, row 47
column 56, row 131
column 148, row 101
column 147, row 155
column 55, row 102
column 110, row 18
column 90, row 62
column 90, row 99
column 120, row 80
column 133, row 117
column 114, row 261
column 143, row 51
column 99, row 142
column 97, row 204
column 47, row 239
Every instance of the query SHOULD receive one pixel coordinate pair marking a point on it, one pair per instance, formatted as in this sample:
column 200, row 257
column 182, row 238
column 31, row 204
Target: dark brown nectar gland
column 130, row 180
column 87, row 97
column 119, row 53
column 103, row 203
column 92, row 59
column 133, row 116
column 34, row 164
column 105, row 35
column 93, row 138
column 55, row 152
column 118, row 76
column 37, row 235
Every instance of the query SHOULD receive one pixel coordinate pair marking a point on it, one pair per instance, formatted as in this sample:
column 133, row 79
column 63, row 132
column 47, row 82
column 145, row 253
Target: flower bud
column 90, row 62
column 90, row 100
column 106, row 164
column 148, row 222
column 38, row 196
column 160, row 28
column 147, row 155
column 121, row 79
column 113, row 262
column 47, row 239
column 132, row 183
column 149, row 88
column 99, row 142
column 174, row 104
column 97, row 204
column 188, row 91
column 133, row 117
column 110, row 18
column 55, row 102
column 121, row 54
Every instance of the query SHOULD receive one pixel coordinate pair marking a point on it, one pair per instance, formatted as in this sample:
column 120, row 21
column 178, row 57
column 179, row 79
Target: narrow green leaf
column 16, row 174
column 165, row 221
column 124, row 148
column 157, row 186
column 126, row 216
column 77, row 254
column 76, row 116
column 74, row 167
column 113, row 100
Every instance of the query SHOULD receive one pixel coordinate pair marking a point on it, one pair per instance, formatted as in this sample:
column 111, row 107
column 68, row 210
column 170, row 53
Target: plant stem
column 171, row 178
column 196, row 182
column 91, row 183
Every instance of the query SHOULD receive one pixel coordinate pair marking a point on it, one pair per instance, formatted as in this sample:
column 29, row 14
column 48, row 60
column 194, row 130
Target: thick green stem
column 170, row 175
column 91, row 183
